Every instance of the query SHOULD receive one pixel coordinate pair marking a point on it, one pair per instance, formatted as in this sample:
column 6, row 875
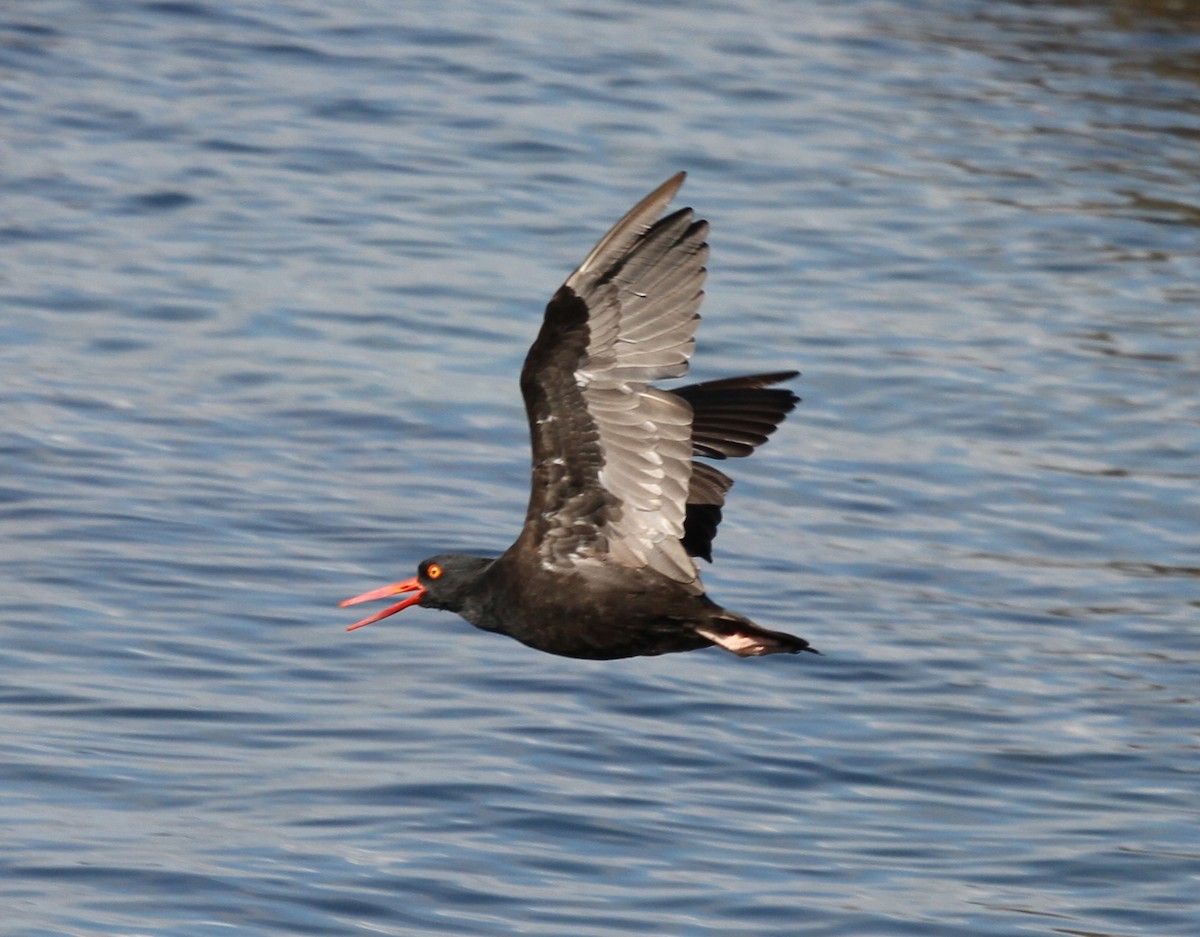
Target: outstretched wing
column 611, row 455
column 730, row 418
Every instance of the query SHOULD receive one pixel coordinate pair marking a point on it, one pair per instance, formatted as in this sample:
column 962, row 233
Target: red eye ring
column 434, row 571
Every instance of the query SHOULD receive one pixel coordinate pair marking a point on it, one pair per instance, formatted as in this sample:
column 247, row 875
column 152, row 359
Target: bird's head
column 445, row 581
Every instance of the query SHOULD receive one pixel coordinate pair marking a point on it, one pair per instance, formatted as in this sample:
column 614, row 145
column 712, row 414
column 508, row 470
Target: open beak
column 396, row 588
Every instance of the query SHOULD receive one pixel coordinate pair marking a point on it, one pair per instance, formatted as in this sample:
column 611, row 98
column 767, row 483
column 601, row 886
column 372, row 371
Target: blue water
column 267, row 273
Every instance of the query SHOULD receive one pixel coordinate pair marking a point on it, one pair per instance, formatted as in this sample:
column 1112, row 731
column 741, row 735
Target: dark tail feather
column 744, row 638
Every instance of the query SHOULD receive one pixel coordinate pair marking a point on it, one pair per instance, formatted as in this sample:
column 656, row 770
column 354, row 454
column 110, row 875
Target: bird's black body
column 600, row 615
column 618, row 509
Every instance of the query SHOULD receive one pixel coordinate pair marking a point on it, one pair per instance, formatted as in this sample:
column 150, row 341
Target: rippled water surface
column 267, row 273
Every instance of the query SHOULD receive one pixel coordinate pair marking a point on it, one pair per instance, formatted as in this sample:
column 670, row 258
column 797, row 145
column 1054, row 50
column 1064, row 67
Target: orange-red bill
column 396, row 588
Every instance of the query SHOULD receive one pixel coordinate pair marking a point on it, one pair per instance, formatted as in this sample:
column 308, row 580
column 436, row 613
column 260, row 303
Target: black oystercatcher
column 604, row 565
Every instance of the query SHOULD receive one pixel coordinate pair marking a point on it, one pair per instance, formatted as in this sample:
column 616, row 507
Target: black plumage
column 618, row 509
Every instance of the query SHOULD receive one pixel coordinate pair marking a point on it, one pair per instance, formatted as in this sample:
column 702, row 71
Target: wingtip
column 664, row 193
column 621, row 236
column 672, row 185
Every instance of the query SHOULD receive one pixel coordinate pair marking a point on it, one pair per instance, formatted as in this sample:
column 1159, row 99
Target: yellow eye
column 434, row 571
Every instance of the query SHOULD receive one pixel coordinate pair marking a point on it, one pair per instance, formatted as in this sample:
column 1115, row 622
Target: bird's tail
column 744, row 638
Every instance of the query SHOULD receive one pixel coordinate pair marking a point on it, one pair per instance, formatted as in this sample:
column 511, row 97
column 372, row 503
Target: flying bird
column 605, row 565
